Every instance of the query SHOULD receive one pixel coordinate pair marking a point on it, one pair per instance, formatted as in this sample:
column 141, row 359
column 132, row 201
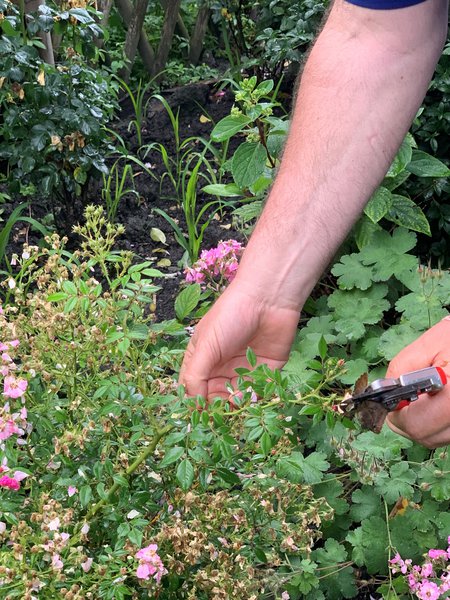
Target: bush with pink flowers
column 115, row 485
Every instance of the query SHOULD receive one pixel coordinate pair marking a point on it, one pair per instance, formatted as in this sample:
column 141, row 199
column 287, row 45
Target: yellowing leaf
column 204, row 119
column 2, row 79
column 55, row 140
column 164, row 262
column 41, row 78
column 157, row 235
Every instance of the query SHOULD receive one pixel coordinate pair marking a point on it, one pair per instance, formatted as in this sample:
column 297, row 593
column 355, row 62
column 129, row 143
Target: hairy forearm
column 361, row 87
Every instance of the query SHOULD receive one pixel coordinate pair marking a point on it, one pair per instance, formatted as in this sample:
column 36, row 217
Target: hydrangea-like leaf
column 370, row 545
column 421, row 311
column 355, row 309
column 396, row 338
column 399, row 483
column 388, row 255
column 352, row 273
column 365, row 504
column 339, row 583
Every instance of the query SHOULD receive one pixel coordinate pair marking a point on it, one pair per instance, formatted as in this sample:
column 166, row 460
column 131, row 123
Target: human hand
column 238, row 320
column 426, row 420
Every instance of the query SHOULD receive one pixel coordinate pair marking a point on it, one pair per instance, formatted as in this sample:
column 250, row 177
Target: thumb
column 198, row 363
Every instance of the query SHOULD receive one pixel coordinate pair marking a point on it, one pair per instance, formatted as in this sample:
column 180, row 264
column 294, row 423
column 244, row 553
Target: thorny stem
column 125, row 473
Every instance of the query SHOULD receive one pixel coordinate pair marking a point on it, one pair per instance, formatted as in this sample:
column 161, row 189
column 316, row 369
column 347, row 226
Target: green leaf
column 387, row 253
column 370, row 308
column 370, row 545
column 336, row 582
column 395, row 339
column 266, row 443
column 228, row 127
column 228, row 476
column 378, row 204
column 185, row 474
column 365, row 504
column 85, row 495
column 225, row 190
column 171, row 456
column 248, row 163
column 406, row 213
column 352, row 273
column 251, row 358
column 425, row 165
column 353, row 370
column 57, row 297
column 187, row 300
column 402, row 157
column 298, row 469
column 399, row 483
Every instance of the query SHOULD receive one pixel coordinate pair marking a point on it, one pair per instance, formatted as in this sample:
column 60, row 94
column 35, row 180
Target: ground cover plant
column 116, row 485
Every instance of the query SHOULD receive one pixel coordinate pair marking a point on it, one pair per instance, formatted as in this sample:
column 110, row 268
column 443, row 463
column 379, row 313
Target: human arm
column 360, row 89
column 427, row 420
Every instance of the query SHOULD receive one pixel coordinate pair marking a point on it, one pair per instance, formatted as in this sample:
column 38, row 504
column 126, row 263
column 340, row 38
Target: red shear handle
column 443, row 377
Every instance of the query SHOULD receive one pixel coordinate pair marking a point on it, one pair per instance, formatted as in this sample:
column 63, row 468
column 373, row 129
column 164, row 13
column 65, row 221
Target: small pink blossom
column 9, row 482
column 434, row 554
column 85, row 529
column 54, row 525
column 14, row 387
column 71, row 490
column 427, row 590
column 57, row 563
column 7, row 428
column 285, row 596
column 150, row 564
column 87, row 564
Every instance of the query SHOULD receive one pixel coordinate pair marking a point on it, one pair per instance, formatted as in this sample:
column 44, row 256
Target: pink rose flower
column 14, row 387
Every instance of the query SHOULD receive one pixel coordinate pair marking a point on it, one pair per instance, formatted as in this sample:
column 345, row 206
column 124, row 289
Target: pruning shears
column 395, row 394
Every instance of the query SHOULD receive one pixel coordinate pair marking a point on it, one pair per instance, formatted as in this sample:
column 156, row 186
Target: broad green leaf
column 352, row 273
column 396, row 338
column 299, row 469
column 365, row 504
column 425, row 165
column 370, row 543
column 406, row 213
column 185, row 474
column 402, row 157
column 85, row 495
column 399, row 483
column 337, row 583
column 171, row 456
column 187, row 300
column 248, row 163
column 387, row 253
column 352, row 370
column 228, row 127
column 378, row 204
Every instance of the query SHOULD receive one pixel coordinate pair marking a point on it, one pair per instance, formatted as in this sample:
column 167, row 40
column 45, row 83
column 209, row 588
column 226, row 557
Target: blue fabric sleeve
column 385, row 4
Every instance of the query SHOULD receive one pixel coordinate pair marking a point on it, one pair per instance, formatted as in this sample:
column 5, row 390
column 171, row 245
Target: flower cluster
column 150, row 564
column 216, row 267
column 431, row 580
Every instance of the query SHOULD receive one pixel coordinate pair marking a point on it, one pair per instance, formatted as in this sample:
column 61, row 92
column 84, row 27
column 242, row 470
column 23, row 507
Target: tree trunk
column 170, row 20
column 134, row 32
column 125, row 9
column 198, row 35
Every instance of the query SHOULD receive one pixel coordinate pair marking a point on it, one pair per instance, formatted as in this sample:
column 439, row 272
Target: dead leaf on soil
column 157, row 235
column 204, row 119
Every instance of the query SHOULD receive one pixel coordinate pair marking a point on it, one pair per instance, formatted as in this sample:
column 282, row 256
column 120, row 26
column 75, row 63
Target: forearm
column 361, row 87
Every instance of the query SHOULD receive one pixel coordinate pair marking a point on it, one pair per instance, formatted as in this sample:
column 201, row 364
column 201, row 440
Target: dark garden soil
column 200, row 106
